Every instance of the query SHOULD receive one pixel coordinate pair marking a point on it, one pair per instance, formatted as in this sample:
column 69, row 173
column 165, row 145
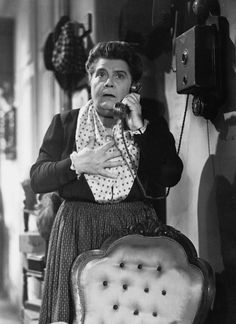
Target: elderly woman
column 102, row 166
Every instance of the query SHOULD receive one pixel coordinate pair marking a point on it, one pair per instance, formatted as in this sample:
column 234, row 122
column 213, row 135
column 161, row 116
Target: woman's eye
column 100, row 74
column 120, row 75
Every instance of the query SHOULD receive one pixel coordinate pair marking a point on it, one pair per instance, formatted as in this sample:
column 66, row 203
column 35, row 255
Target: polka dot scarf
column 108, row 189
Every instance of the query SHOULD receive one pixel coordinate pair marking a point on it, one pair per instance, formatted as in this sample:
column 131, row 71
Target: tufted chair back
column 142, row 279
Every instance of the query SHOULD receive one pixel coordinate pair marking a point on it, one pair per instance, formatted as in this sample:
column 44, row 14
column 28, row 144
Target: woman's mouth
column 108, row 95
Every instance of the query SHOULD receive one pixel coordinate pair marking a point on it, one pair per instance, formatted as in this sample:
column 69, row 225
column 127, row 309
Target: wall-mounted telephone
column 199, row 66
column 196, row 59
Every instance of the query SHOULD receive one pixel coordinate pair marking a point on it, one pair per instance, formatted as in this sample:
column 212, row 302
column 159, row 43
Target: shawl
column 104, row 189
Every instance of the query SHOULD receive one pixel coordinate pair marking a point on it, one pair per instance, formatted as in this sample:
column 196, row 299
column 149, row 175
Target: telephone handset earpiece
column 120, row 110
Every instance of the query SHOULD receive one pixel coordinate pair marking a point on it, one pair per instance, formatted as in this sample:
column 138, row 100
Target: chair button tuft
column 122, row 265
column 140, row 266
column 163, row 292
column 159, row 268
column 115, row 307
column 146, row 290
column 154, row 314
column 105, row 283
column 125, row 286
column 136, row 312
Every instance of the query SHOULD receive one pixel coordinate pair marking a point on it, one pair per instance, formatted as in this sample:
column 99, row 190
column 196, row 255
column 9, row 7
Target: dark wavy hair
column 116, row 50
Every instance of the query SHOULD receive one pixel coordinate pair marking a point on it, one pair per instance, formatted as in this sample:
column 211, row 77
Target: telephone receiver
column 121, row 110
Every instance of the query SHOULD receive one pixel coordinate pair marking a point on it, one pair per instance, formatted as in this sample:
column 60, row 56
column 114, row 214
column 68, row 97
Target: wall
column 205, row 161
column 202, row 205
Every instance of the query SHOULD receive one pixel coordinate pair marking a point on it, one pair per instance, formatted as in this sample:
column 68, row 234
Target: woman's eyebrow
column 100, row 69
column 121, row 71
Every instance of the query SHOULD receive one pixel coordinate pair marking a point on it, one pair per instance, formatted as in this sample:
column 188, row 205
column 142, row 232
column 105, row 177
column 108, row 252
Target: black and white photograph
column 117, row 162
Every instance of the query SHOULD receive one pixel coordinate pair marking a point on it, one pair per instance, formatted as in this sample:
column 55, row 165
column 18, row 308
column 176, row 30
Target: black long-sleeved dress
column 159, row 163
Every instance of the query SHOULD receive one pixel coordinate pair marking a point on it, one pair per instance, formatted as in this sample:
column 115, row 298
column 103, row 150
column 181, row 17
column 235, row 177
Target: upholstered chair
column 149, row 274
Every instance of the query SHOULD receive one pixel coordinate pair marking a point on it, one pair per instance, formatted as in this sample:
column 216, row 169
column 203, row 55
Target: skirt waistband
column 109, row 206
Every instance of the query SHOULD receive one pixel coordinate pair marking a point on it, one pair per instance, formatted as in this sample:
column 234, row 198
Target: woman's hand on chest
column 97, row 161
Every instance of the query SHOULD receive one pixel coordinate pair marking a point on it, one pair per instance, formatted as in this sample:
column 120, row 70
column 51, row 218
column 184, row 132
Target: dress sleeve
column 160, row 161
column 50, row 171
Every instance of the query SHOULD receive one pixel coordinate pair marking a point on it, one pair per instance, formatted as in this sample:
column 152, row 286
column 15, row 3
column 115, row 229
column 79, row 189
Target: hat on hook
column 50, row 43
column 69, row 54
column 64, row 54
column 57, row 30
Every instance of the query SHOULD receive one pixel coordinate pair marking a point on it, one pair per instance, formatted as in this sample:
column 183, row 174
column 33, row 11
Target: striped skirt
column 79, row 227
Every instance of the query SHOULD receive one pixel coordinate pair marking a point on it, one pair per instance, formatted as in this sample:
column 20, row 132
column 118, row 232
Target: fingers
column 135, row 97
column 108, row 155
column 112, row 155
column 134, row 119
column 105, row 147
column 112, row 164
column 99, row 160
column 109, row 174
column 132, row 99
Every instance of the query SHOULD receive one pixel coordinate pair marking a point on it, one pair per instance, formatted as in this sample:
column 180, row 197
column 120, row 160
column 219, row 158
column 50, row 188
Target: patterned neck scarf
column 105, row 189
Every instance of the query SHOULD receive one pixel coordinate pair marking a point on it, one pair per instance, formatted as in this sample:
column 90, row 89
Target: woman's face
column 110, row 83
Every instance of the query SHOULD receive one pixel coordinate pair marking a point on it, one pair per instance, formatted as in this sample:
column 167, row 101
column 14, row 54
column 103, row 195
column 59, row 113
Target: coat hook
column 89, row 30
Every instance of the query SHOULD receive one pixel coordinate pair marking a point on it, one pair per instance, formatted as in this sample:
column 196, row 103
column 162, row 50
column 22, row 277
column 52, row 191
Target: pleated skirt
column 79, row 227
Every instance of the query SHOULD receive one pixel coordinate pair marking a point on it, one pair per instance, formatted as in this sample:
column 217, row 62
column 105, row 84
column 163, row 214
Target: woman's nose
column 109, row 82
